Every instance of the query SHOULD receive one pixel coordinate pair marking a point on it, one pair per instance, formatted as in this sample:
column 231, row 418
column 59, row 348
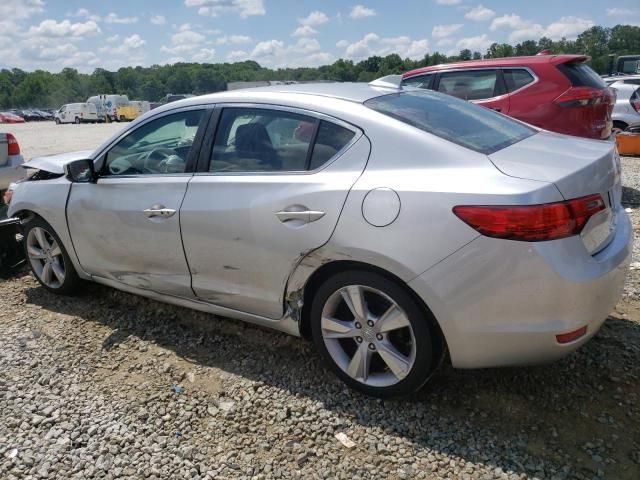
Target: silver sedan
column 389, row 225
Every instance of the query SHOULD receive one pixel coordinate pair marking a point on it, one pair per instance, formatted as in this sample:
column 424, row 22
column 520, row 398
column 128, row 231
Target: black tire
column 619, row 126
column 57, row 121
column 77, row 121
column 72, row 281
column 426, row 349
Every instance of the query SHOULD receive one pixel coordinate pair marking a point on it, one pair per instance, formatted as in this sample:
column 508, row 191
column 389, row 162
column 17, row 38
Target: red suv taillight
column 532, row 223
column 583, row 97
column 13, row 146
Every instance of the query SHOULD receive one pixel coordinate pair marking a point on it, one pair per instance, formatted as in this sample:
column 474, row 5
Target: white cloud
column 158, row 20
column 276, row 54
column 51, row 28
column 479, row 43
column 445, row 42
column 233, row 40
column 11, row 10
column 84, row 13
column 214, row 8
column 480, row 14
column 187, row 37
column 129, row 46
column 448, row 2
column 373, row 44
column 184, row 41
column 360, row 11
column 314, row 19
column 235, row 55
column 442, row 31
column 342, row 44
column 113, row 38
column 522, row 29
column 114, row 18
column 204, row 55
column 622, row 12
column 304, row 31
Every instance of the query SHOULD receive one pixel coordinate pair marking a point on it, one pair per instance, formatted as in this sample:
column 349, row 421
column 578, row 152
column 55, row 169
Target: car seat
column 252, row 141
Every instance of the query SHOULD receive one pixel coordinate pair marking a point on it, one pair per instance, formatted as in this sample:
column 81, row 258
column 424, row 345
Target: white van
column 142, row 105
column 107, row 105
column 76, row 113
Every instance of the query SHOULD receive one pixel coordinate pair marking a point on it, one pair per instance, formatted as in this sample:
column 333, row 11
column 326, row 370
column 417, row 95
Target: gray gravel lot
column 109, row 385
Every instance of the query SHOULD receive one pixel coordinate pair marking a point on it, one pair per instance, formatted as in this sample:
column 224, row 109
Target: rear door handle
column 159, row 211
column 305, row 216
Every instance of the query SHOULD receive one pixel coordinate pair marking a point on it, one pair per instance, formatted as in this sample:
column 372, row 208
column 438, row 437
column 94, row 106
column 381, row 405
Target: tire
column 36, row 232
column 406, row 332
column 57, row 121
column 77, row 122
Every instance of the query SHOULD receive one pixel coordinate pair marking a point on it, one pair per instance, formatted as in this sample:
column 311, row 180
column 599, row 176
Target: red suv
column 560, row 93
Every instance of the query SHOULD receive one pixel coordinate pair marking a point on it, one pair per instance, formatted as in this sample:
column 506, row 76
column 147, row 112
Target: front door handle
column 159, row 211
column 306, row 216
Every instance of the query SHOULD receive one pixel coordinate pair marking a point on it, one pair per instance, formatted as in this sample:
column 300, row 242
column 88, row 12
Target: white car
column 77, row 113
column 10, row 161
column 626, row 111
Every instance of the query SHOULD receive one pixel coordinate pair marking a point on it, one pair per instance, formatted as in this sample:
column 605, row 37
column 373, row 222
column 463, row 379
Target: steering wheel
column 156, row 160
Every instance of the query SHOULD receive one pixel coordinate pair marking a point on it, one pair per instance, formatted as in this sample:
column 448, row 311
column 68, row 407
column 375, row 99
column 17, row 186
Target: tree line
column 50, row 90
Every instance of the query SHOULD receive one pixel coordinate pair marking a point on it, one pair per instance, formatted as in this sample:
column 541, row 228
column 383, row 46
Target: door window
column 517, row 78
column 261, row 140
column 470, row 84
column 160, row 146
column 419, row 81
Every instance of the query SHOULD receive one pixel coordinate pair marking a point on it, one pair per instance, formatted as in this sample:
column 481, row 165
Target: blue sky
column 83, row 34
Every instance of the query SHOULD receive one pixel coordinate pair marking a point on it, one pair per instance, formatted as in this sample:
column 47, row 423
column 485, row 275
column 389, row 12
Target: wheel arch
column 327, row 270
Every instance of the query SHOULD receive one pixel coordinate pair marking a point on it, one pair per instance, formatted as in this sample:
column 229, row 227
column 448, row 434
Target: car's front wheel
column 48, row 259
column 373, row 334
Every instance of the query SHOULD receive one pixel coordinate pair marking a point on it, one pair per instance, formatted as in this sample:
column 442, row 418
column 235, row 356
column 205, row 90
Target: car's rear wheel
column 57, row 121
column 373, row 334
column 48, row 259
column 77, row 121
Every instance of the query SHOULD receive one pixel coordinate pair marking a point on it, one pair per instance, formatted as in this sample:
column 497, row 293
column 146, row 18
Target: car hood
column 56, row 163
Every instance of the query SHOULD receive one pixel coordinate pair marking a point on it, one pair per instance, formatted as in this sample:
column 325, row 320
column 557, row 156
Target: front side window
column 262, row 140
column 469, row 84
column 464, row 123
column 160, row 146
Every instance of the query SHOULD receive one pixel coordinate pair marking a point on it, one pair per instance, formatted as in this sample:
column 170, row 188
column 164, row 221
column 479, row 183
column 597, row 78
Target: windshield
column 458, row 121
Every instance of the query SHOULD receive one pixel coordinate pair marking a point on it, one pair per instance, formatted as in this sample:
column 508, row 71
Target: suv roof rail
column 390, row 81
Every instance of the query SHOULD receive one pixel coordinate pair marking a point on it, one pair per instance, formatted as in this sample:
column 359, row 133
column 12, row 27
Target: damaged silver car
column 389, row 225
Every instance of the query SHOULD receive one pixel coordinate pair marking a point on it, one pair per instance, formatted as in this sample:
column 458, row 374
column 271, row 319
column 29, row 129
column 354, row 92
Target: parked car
column 10, row 161
column 383, row 223
column 127, row 113
column 560, row 93
column 27, row 115
column 9, row 117
column 76, row 113
column 622, row 79
column 107, row 105
column 626, row 111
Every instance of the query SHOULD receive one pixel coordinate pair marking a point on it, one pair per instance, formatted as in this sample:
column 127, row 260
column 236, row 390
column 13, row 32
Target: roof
column 496, row 62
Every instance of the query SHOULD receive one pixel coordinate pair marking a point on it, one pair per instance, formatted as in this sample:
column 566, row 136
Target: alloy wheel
column 45, row 256
column 368, row 335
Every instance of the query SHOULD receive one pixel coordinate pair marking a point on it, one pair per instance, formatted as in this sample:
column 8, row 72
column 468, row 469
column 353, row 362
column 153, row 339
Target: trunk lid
column 577, row 167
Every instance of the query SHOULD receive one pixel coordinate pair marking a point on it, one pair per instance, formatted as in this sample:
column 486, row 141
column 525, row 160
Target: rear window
column 455, row 120
column 517, row 78
column 581, row 75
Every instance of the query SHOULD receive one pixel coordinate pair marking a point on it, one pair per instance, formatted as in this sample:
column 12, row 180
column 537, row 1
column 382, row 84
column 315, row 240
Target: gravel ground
column 109, row 385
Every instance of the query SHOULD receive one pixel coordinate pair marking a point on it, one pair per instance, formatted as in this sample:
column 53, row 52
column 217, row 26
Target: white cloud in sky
column 304, row 31
column 360, row 11
column 52, row 28
column 480, row 14
column 373, row 44
column 115, row 18
column 314, row 19
column 442, row 31
column 215, row 8
column 158, row 20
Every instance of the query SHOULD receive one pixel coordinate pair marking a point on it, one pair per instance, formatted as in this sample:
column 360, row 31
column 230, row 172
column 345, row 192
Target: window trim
column 212, row 132
column 101, row 156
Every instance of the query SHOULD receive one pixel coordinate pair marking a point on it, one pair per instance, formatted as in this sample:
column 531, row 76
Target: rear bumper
column 502, row 302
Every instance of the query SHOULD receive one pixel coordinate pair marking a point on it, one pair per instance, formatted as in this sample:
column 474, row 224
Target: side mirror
column 80, row 171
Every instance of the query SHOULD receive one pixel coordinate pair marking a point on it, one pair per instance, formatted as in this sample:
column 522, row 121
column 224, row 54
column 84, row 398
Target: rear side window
column 330, row 140
column 419, row 81
column 517, row 78
column 470, row 84
column 581, row 75
column 466, row 124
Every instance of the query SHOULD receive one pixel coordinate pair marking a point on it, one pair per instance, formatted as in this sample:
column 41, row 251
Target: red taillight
column 13, row 145
column 571, row 336
column 583, row 97
column 532, row 223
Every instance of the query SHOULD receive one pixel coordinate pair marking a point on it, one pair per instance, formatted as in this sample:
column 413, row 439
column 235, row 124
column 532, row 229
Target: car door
column 483, row 86
column 63, row 114
column 271, row 190
column 126, row 227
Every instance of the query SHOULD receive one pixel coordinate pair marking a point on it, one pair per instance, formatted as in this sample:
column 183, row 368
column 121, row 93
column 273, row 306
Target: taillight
column 635, row 103
column 532, row 223
column 13, row 145
column 583, row 97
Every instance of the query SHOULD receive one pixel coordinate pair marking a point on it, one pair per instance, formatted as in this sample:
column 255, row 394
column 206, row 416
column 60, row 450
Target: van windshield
column 458, row 121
